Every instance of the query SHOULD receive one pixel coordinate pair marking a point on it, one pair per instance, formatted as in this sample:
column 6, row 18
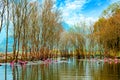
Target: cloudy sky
column 73, row 11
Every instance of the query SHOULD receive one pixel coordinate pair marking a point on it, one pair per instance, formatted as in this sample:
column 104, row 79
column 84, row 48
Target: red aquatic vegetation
column 12, row 63
column 22, row 62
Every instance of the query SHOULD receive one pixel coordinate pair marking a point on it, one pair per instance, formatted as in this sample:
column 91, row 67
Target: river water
column 72, row 69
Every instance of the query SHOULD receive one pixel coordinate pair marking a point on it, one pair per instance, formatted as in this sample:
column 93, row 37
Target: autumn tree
column 20, row 24
column 36, row 27
column 50, row 24
column 72, row 40
column 78, row 38
column 107, row 29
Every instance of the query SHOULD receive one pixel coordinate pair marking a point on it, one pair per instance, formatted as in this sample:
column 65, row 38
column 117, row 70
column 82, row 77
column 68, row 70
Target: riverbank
column 38, row 57
column 64, row 59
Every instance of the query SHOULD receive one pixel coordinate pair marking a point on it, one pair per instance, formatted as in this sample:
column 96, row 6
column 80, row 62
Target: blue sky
column 74, row 11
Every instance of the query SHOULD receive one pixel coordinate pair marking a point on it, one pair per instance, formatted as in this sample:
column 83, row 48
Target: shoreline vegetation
column 54, row 55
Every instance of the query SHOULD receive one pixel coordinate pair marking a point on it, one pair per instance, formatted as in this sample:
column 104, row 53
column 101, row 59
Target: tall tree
column 107, row 29
column 7, row 25
column 50, row 22
column 2, row 11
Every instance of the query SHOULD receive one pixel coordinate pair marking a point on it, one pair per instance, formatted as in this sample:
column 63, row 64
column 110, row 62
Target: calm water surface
column 72, row 69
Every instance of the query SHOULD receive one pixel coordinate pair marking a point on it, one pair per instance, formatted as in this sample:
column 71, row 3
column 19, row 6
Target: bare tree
column 2, row 11
column 50, row 24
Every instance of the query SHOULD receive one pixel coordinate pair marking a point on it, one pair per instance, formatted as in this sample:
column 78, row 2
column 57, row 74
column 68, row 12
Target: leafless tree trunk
column 2, row 5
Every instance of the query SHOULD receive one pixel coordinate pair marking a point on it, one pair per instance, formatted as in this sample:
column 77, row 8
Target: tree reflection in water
column 75, row 70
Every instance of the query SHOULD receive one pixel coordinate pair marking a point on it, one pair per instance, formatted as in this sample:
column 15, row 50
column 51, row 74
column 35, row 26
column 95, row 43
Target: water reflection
column 71, row 70
column 8, row 74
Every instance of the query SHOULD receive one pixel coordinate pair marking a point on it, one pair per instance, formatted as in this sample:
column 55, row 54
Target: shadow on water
column 70, row 70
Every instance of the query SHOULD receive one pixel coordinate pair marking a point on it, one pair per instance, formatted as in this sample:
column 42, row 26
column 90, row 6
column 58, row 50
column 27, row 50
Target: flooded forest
column 37, row 45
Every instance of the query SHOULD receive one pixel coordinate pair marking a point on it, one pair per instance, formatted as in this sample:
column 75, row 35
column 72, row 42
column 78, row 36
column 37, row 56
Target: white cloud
column 112, row 1
column 77, row 4
column 71, row 11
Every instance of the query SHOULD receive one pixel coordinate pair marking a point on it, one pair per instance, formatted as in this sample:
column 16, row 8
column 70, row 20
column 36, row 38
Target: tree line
column 37, row 31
